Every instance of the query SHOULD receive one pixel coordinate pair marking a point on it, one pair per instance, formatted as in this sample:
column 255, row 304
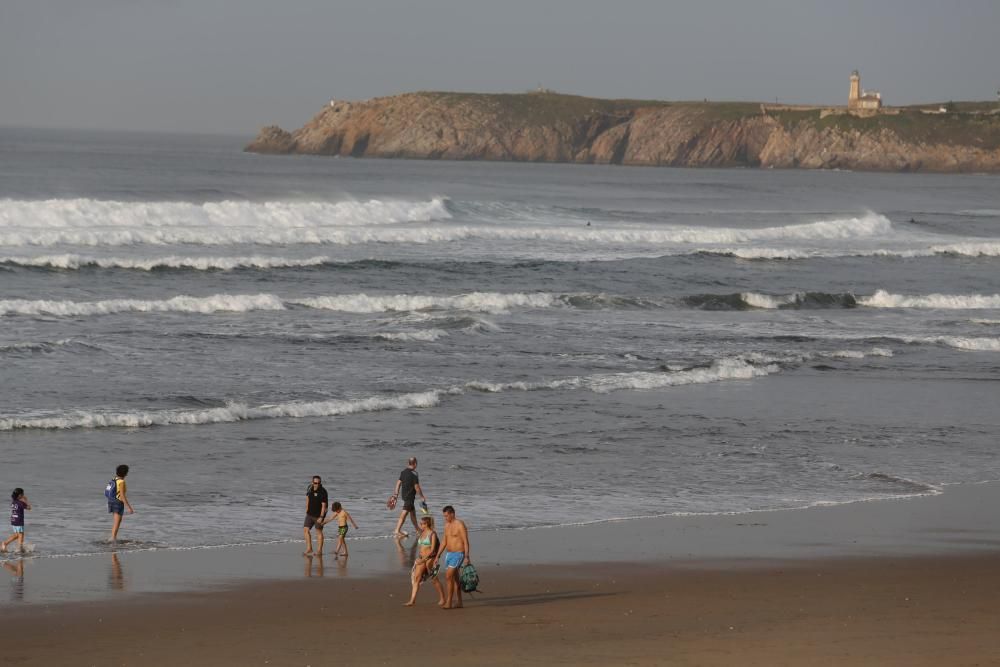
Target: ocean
column 557, row 344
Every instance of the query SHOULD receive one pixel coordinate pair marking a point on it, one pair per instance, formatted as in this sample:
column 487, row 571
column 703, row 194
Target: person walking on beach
column 428, row 542
column 18, row 504
column 407, row 487
column 342, row 517
column 457, row 552
column 316, row 503
column 116, row 493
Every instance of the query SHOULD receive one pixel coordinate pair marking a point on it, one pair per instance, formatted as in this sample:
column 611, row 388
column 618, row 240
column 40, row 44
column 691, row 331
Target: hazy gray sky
column 234, row 65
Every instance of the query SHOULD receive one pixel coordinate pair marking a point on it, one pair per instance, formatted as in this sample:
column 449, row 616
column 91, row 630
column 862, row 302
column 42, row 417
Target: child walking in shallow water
column 342, row 517
column 18, row 504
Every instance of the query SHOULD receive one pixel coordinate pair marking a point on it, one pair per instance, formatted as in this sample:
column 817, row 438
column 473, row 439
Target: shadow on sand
column 537, row 598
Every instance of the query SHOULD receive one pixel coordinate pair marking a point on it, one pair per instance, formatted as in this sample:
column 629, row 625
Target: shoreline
column 956, row 521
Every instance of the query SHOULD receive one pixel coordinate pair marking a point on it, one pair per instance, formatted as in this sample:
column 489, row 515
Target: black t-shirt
column 316, row 499
column 408, row 488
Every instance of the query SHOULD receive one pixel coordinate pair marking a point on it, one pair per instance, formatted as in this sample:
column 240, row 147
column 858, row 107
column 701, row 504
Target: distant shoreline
column 550, row 127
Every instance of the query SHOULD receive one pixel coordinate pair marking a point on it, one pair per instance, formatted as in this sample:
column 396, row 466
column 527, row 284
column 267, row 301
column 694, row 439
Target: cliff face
column 561, row 128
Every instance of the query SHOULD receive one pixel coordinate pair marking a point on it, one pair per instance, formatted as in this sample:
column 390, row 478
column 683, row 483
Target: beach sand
column 900, row 582
column 871, row 611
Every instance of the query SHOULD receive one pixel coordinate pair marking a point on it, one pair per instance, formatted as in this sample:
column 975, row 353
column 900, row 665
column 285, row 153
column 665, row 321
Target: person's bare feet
column 307, row 553
column 408, row 604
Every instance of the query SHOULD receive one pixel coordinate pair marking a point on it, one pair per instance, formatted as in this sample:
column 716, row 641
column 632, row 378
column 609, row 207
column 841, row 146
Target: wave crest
column 884, row 299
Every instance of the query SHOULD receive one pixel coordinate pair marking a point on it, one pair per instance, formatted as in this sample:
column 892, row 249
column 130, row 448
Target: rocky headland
column 549, row 127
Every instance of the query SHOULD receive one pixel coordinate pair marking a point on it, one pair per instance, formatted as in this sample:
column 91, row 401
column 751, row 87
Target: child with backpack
column 342, row 517
column 18, row 504
column 115, row 492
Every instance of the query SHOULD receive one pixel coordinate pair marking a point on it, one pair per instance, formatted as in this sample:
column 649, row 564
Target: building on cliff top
column 868, row 100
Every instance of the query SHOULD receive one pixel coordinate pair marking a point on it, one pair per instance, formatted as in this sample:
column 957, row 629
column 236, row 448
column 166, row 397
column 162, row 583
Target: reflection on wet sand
column 16, row 569
column 116, row 576
column 406, row 554
column 316, row 559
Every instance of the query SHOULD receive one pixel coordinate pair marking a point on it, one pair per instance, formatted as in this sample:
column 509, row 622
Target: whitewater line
column 743, row 367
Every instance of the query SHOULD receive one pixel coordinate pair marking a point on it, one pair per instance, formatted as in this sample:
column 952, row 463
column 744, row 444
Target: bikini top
column 426, row 541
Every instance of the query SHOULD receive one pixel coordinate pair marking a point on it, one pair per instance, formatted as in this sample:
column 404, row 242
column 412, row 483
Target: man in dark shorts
column 407, row 488
column 316, row 503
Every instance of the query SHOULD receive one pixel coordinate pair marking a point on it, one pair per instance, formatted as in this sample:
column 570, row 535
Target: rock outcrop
column 546, row 127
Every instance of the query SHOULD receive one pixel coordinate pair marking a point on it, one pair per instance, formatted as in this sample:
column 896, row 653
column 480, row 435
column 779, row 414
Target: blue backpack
column 111, row 490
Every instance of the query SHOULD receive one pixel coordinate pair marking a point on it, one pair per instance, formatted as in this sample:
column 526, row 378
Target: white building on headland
column 869, row 100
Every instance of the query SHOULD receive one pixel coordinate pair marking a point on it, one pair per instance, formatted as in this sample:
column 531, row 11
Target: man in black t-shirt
column 407, row 487
column 317, row 501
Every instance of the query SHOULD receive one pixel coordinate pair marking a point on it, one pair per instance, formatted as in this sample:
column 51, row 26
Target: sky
column 232, row 66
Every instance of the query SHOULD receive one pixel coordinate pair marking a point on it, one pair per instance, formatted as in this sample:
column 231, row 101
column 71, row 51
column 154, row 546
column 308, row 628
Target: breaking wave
column 806, row 300
column 750, row 300
column 964, row 249
column 487, row 302
column 89, row 222
column 238, row 303
column 231, row 412
column 484, row 302
column 883, row 299
column 75, row 262
column 743, row 367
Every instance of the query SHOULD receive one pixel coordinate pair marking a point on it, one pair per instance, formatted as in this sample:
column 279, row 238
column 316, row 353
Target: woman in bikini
column 428, row 543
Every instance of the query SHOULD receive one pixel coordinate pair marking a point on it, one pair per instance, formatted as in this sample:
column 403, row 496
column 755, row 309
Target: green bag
column 468, row 578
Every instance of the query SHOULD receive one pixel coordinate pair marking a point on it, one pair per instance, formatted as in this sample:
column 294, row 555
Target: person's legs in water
column 309, row 541
column 319, row 539
column 117, row 512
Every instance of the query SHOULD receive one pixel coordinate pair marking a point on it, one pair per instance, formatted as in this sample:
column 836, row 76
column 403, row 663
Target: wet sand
column 904, row 582
column 871, row 611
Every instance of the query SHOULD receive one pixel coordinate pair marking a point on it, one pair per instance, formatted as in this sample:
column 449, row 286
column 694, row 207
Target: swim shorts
column 116, row 507
column 453, row 559
column 342, row 531
column 19, row 530
column 312, row 521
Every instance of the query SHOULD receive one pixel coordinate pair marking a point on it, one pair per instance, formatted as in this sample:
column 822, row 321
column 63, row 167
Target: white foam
column 964, row 343
column 426, row 336
column 91, row 222
column 232, row 412
column 965, row 249
column 987, row 322
column 884, row 299
column 74, row 262
column 487, row 302
column 764, row 301
column 735, row 368
column 742, row 367
column 88, row 222
column 183, row 304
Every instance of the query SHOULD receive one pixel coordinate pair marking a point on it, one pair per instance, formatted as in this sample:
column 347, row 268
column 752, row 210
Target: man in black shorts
column 316, row 503
column 407, row 488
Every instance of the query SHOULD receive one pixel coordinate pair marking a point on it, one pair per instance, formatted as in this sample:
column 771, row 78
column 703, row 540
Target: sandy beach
column 906, row 582
column 890, row 611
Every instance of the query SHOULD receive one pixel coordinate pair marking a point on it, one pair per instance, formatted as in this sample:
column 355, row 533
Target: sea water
column 555, row 343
